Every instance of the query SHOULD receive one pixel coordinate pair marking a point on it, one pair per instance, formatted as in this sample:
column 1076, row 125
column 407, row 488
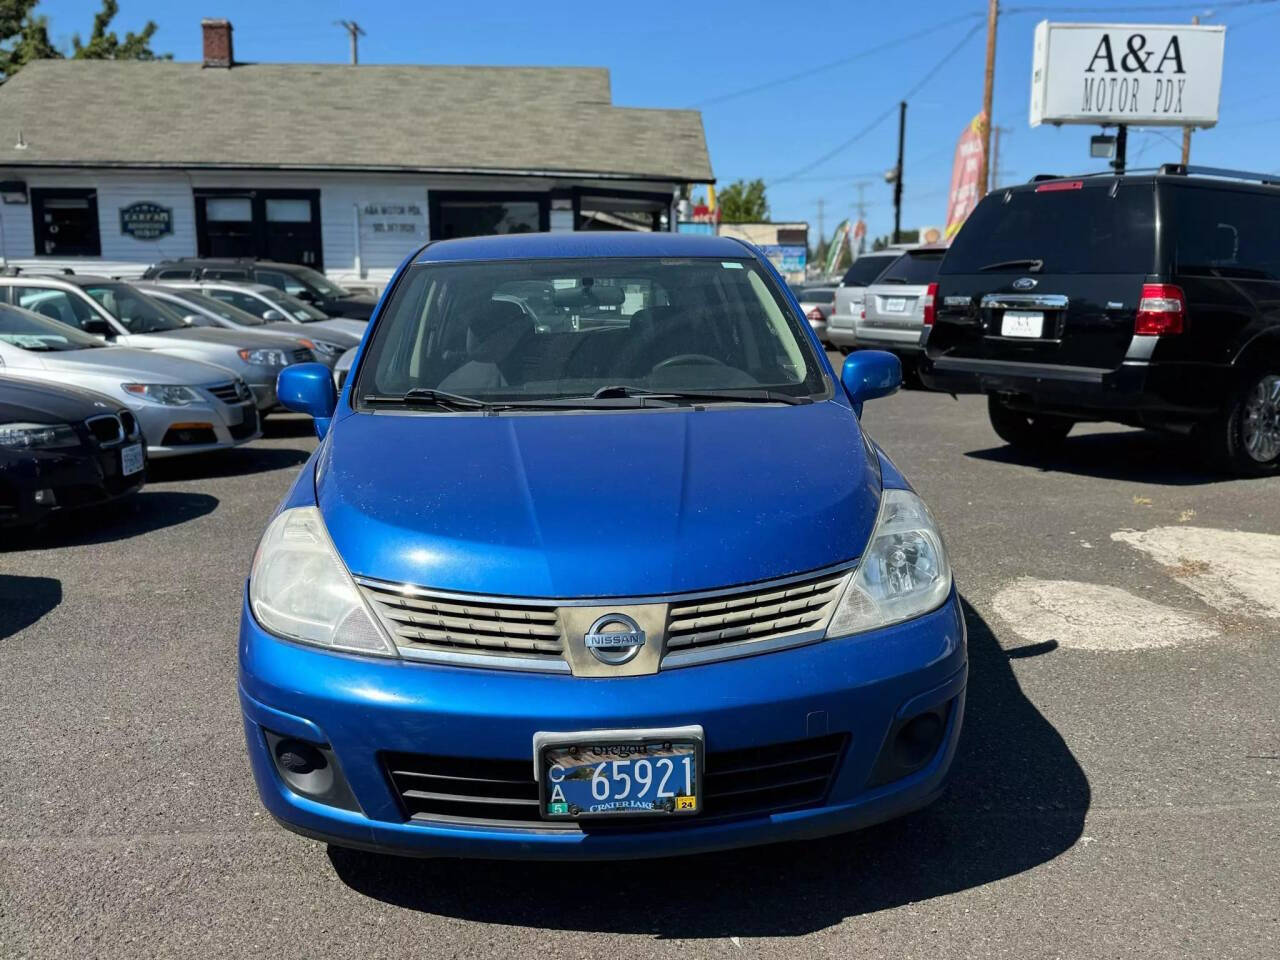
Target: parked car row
column 98, row 375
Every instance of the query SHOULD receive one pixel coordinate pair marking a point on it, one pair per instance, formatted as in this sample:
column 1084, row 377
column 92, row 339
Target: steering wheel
column 687, row 359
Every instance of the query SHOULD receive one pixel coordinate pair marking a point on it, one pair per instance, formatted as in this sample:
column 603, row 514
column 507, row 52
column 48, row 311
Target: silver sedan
column 183, row 406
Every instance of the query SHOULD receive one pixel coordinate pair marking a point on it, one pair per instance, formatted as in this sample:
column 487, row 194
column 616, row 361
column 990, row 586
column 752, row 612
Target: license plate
column 131, row 459
column 653, row 773
column 895, row 305
column 1022, row 323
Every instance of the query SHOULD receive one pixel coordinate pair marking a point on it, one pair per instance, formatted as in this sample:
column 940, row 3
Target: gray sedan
column 183, row 406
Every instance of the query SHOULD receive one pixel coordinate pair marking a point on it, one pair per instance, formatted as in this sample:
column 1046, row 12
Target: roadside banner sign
column 965, row 170
column 838, row 239
column 1141, row 74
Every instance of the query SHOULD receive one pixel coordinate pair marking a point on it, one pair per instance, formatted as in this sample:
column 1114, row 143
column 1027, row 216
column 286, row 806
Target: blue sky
column 664, row 54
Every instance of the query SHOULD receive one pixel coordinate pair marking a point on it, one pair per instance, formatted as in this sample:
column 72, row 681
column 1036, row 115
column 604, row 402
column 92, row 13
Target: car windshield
column 864, row 271
column 292, row 306
column 612, row 328
column 134, row 309
column 318, row 282
column 1066, row 229
column 913, row 269
column 29, row 331
column 232, row 314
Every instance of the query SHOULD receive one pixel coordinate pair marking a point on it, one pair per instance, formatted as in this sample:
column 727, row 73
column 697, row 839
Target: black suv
column 310, row 286
column 1149, row 299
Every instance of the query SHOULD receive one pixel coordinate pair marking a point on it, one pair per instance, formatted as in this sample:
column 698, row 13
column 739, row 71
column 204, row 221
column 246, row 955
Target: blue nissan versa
column 594, row 561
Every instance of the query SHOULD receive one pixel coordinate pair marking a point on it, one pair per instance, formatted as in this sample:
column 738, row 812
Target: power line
column 943, row 61
column 843, row 61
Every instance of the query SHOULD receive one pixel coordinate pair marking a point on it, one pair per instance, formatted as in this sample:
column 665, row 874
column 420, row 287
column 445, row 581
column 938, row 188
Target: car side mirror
column 272, row 316
column 306, row 296
column 96, row 326
column 869, row 375
column 308, row 388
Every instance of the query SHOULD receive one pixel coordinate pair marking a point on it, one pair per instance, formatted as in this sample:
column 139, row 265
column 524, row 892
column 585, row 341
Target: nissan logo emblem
column 614, row 639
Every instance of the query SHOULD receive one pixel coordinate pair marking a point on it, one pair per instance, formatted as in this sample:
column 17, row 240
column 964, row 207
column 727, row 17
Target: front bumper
column 77, row 477
column 197, row 427
column 361, row 707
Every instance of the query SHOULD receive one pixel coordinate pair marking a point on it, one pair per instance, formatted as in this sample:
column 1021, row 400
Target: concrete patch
column 1090, row 616
column 1234, row 572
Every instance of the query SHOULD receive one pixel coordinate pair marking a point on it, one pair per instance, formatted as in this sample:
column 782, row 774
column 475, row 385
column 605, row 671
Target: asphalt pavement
column 1116, row 792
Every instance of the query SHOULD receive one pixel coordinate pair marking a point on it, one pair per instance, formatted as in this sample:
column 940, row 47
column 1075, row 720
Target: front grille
column 246, row 427
column 106, row 429
column 226, row 392
column 301, row 355
column 130, row 423
column 763, row 614
column 424, row 622
column 736, row 783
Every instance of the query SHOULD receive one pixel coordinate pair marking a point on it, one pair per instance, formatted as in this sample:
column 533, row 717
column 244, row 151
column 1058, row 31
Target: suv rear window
column 865, row 270
column 915, row 269
column 1084, row 230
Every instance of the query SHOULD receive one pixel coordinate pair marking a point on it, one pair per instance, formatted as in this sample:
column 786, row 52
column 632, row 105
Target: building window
column 65, row 222
column 457, row 214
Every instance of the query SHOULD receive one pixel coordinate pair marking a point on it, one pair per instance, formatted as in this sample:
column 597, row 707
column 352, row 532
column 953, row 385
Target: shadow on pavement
column 142, row 513
column 24, row 600
column 288, row 425
column 1017, row 799
column 239, row 462
column 1141, row 456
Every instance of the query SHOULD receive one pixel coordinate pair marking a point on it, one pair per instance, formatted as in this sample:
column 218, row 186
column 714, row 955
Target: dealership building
column 110, row 166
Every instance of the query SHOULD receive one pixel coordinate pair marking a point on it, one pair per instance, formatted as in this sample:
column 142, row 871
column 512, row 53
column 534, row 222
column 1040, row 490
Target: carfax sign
column 146, row 220
column 1141, row 74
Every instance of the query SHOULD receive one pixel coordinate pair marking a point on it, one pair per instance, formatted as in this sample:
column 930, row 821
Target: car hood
column 131, row 364
column 28, row 402
column 351, row 328
column 595, row 504
column 189, row 336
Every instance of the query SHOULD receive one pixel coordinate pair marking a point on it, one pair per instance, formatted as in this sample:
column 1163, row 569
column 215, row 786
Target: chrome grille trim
column 748, row 622
column 117, row 431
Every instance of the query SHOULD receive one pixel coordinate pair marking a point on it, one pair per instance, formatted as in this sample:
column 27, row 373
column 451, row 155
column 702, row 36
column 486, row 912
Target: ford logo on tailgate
column 614, row 639
column 1024, row 283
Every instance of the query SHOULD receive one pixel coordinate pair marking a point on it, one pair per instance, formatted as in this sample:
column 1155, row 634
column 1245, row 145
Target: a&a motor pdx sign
column 146, row 221
column 1140, row 74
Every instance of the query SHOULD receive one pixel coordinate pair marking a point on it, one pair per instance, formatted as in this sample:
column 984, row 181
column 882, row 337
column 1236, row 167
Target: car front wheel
column 1034, row 432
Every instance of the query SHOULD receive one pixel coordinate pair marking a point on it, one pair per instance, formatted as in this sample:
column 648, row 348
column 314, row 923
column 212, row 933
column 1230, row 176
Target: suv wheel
column 1037, row 432
column 1245, row 437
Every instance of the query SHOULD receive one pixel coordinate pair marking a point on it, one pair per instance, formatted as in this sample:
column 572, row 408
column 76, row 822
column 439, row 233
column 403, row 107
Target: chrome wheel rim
column 1262, row 420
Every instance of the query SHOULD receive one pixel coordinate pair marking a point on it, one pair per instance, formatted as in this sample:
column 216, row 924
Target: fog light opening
column 310, row 770
column 298, row 758
column 918, row 740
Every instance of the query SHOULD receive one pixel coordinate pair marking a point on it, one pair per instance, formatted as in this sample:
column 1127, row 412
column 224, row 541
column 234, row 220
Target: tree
column 105, row 45
column 24, row 37
column 743, row 202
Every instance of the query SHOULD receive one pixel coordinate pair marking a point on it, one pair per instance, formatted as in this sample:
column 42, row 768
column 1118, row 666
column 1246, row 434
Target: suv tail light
column 814, row 315
column 931, row 305
column 1162, row 310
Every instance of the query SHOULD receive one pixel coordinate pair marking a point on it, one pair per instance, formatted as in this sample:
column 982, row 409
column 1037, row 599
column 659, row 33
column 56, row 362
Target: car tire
column 1039, row 433
column 1244, row 437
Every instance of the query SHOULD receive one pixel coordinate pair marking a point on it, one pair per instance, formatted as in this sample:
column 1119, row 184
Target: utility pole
column 993, row 12
column 897, row 178
column 1186, row 131
column 356, row 33
column 821, row 226
column 1122, row 145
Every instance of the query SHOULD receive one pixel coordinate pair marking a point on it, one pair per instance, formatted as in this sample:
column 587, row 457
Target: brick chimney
column 217, row 42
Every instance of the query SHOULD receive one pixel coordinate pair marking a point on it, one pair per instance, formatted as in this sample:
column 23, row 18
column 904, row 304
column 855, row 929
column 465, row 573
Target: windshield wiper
column 1033, row 264
column 428, row 396
column 745, row 395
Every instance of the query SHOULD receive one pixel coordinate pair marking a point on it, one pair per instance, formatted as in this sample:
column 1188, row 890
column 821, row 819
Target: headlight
column 326, row 349
column 33, row 436
column 170, row 394
column 264, row 357
column 299, row 588
column 903, row 573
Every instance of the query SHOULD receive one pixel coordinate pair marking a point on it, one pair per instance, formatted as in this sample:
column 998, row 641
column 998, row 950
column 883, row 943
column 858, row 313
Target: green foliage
column 743, row 202
column 24, row 37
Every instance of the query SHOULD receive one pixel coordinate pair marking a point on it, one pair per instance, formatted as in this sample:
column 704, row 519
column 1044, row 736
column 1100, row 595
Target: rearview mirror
column 308, row 388
column 870, row 374
column 97, row 326
column 305, row 295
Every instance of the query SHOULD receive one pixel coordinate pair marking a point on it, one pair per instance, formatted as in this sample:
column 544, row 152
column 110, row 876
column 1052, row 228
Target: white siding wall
column 340, row 195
